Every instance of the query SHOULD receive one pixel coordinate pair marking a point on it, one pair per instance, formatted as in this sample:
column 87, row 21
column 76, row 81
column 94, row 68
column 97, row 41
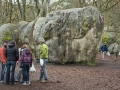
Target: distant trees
column 13, row 11
column 0, row 12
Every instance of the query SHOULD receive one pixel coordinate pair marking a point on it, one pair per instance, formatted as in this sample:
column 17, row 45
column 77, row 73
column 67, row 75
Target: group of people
column 104, row 49
column 10, row 56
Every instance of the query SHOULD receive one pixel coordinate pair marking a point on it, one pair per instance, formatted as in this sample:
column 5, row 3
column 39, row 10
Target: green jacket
column 43, row 51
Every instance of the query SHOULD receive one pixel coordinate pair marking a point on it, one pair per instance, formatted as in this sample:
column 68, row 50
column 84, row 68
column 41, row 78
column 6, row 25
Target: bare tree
column 19, row 6
column 10, row 11
column 24, row 10
column 1, row 12
column 42, row 7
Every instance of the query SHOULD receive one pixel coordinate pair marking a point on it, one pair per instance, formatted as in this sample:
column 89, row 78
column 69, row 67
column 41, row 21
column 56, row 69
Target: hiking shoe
column 21, row 81
column 25, row 83
column 46, row 80
column 16, row 80
column 28, row 82
column 1, row 81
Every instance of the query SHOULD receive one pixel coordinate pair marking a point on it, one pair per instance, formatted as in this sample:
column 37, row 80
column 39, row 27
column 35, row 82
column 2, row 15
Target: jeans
column 19, row 74
column 26, row 67
column 3, row 71
column 8, row 77
column 43, row 72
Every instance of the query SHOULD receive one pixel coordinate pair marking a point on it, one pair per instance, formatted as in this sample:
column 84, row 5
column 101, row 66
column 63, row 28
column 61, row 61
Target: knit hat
column 41, row 39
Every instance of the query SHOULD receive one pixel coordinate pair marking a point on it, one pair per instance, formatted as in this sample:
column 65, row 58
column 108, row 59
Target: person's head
column 5, row 43
column 41, row 40
column 25, row 43
column 26, row 46
column 104, row 43
column 12, row 42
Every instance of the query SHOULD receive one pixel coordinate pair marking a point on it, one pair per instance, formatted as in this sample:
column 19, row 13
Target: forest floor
column 104, row 76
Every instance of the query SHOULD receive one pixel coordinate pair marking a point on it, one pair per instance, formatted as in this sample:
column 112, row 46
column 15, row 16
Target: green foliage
column 88, row 63
column 91, row 63
column 105, row 38
column 7, row 36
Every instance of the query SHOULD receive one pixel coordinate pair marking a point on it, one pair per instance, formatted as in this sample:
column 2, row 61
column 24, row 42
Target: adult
column 44, row 57
column 104, row 49
column 12, row 56
column 115, row 50
column 3, row 60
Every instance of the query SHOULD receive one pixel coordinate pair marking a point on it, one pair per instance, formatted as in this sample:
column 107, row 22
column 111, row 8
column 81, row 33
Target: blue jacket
column 104, row 48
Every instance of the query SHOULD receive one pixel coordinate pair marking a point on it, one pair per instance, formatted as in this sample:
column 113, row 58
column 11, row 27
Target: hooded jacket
column 43, row 51
column 104, row 48
column 26, row 57
column 12, row 53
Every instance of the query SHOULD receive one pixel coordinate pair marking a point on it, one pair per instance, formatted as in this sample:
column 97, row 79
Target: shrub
column 105, row 38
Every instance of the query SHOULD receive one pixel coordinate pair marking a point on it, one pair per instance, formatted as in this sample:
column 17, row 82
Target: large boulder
column 73, row 35
column 8, row 32
column 26, row 34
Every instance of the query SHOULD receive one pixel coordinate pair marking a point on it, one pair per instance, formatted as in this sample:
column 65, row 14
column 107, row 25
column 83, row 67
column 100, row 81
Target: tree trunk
column 1, row 12
column 42, row 7
column 24, row 10
column 19, row 6
column 10, row 11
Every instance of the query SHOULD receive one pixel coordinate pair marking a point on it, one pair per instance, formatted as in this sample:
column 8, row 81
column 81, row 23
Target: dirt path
column 104, row 76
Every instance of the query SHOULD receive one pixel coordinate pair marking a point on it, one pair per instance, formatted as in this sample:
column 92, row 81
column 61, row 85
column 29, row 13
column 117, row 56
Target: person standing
column 44, row 56
column 26, row 63
column 115, row 50
column 3, row 60
column 21, row 68
column 104, row 48
column 12, row 56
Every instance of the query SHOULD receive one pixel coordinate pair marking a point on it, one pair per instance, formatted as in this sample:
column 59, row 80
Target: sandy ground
column 104, row 76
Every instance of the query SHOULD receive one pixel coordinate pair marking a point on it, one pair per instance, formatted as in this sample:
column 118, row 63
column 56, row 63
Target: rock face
column 73, row 35
column 8, row 31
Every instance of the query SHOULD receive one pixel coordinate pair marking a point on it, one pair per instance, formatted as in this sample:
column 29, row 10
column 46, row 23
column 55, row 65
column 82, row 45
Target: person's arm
column 21, row 59
column 101, row 48
column 3, row 55
column 6, row 53
column 17, row 54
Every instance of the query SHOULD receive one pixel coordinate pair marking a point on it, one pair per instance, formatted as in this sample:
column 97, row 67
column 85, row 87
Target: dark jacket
column 12, row 53
column 104, row 48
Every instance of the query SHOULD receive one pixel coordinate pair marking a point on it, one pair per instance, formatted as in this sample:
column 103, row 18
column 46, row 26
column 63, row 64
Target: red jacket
column 2, row 54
